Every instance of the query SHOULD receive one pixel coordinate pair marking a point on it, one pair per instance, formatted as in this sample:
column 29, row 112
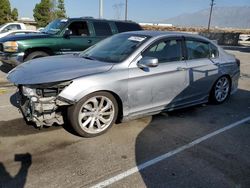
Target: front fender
column 115, row 82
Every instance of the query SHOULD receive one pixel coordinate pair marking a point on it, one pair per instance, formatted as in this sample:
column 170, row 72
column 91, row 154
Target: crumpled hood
column 55, row 69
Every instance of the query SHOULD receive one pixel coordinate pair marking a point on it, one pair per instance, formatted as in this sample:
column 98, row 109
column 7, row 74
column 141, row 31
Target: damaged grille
column 21, row 98
column 48, row 92
column 39, row 103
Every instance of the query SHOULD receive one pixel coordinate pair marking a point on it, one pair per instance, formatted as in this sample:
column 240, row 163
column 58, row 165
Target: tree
column 48, row 10
column 61, row 12
column 43, row 13
column 14, row 14
column 5, row 11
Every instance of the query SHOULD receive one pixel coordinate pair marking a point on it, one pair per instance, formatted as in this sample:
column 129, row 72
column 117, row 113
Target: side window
column 213, row 51
column 123, row 27
column 102, row 29
column 18, row 26
column 13, row 27
column 197, row 49
column 79, row 28
column 165, row 51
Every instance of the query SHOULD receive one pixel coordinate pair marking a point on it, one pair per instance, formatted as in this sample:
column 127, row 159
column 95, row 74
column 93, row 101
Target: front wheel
column 94, row 114
column 221, row 90
column 36, row 54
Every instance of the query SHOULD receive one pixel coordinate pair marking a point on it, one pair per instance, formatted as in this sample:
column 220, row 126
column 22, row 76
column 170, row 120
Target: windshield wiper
column 88, row 57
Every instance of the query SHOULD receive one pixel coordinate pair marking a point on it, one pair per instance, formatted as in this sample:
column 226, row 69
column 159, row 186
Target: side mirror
column 67, row 33
column 146, row 62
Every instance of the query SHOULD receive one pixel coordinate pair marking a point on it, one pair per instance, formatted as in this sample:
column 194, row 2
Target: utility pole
column 210, row 15
column 126, row 10
column 100, row 9
column 118, row 9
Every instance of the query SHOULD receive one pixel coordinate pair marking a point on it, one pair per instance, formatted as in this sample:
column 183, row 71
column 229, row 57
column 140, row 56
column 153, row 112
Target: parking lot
column 202, row 146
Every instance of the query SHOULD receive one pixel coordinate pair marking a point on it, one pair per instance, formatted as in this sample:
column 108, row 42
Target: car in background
column 40, row 29
column 12, row 26
column 244, row 37
column 61, row 36
column 17, row 33
column 126, row 76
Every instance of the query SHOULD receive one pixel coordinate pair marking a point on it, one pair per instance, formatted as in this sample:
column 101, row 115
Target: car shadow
column 171, row 130
column 19, row 180
column 19, row 127
column 5, row 68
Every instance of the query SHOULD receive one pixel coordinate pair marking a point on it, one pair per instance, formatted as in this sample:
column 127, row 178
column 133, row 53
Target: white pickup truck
column 12, row 26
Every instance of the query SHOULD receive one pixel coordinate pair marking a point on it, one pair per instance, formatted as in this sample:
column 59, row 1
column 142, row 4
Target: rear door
column 101, row 30
column 203, row 69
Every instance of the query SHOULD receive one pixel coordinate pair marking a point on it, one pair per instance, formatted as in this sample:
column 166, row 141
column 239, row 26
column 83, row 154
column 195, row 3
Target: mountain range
column 223, row 17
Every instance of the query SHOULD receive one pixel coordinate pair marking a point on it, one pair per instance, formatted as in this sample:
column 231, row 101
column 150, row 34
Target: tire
column 36, row 54
column 94, row 114
column 221, row 90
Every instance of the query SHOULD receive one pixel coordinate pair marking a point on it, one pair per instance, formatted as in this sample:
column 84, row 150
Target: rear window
column 123, row 27
column 197, row 49
column 102, row 29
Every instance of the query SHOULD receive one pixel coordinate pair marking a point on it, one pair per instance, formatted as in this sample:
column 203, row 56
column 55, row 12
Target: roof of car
column 166, row 33
column 98, row 19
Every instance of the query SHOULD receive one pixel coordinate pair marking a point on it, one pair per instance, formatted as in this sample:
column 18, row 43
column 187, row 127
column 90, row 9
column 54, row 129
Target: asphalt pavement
column 202, row 146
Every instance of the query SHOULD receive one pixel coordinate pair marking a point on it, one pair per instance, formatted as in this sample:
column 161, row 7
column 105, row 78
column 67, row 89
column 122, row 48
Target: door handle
column 89, row 41
column 181, row 69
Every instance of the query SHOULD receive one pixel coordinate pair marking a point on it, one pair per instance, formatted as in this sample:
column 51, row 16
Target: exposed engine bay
column 41, row 103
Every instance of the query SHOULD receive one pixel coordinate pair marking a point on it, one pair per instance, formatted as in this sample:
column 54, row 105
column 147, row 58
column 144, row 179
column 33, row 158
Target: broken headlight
column 26, row 91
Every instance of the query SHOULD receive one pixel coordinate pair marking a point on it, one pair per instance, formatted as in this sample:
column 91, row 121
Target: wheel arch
column 117, row 98
column 230, row 82
column 35, row 49
column 119, row 103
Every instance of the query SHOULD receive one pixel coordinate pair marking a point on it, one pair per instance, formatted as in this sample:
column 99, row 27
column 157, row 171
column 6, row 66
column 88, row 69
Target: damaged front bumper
column 43, row 110
column 13, row 59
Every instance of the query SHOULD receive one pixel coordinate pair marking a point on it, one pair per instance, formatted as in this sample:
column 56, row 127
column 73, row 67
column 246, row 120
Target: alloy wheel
column 96, row 114
column 222, row 89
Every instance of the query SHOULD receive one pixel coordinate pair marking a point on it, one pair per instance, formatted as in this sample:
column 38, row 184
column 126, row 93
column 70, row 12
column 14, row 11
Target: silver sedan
column 126, row 76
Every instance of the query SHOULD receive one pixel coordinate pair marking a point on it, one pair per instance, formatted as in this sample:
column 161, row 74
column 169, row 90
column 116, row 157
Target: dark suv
column 59, row 37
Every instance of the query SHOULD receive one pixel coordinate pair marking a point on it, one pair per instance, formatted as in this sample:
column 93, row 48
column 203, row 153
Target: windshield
column 55, row 26
column 1, row 26
column 116, row 48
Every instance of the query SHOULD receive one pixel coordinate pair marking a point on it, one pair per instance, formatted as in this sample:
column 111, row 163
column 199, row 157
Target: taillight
column 238, row 62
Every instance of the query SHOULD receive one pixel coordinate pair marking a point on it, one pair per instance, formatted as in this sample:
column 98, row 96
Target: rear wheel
column 36, row 54
column 94, row 114
column 221, row 90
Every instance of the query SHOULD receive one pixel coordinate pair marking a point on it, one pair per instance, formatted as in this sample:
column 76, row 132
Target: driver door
column 79, row 39
column 156, row 88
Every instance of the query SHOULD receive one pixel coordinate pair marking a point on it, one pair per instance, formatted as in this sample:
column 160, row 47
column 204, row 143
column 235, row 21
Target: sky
column 138, row 10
